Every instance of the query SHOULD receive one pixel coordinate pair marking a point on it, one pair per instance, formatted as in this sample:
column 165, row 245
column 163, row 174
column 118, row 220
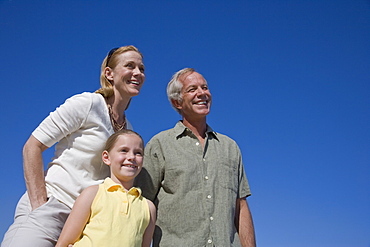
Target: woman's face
column 128, row 76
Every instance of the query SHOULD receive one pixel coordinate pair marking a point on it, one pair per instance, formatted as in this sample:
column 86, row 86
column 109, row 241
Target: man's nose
column 200, row 91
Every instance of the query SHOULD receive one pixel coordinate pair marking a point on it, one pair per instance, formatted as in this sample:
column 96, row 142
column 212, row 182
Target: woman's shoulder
column 88, row 95
column 86, row 99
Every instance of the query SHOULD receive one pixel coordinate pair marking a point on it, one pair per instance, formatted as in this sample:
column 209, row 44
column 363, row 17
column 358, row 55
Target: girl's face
column 128, row 76
column 125, row 158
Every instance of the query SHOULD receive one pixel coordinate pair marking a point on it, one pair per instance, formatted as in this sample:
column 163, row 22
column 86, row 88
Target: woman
column 80, row 126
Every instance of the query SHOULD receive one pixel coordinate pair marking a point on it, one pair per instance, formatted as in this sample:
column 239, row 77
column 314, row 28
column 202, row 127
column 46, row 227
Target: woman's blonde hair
column 111, row 61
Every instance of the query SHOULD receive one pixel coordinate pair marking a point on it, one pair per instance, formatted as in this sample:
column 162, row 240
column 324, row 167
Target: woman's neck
column 118, row 106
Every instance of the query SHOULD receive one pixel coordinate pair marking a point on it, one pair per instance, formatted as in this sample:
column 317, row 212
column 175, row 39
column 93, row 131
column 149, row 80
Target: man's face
column 196, row 97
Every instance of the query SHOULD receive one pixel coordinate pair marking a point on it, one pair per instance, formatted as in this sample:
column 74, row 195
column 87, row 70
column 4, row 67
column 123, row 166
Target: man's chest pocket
column 227, row 174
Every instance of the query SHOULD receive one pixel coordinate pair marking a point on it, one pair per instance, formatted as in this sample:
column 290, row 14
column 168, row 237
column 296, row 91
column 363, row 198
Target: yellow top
column 118, row 217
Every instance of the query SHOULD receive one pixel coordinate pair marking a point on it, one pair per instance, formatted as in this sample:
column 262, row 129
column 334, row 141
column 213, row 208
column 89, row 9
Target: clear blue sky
column 290, row 83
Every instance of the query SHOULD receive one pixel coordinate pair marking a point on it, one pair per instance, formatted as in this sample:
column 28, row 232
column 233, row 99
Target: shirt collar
column 111, row 186
column 181, row 129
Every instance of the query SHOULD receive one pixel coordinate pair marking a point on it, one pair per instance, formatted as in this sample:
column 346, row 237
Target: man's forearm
column 244, row 224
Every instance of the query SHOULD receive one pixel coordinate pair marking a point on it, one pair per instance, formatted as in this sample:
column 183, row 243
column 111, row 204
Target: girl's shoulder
column 89, row 193
column 151, row 205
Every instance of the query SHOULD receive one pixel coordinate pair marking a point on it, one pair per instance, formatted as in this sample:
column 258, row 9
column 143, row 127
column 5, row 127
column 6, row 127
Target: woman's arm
column 78, row 218
column 148, row 234
column 33, row 166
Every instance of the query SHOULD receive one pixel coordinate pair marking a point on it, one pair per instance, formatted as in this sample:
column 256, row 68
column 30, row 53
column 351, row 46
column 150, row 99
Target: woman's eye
column 130, row 65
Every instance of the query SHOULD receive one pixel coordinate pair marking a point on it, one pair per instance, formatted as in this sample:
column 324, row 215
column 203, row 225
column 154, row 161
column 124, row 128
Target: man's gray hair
column 175, row 85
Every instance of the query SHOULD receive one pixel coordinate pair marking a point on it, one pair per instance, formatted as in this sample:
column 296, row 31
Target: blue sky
column 289, row 79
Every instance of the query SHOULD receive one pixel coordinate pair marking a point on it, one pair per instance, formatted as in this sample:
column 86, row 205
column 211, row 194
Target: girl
column 113, row 213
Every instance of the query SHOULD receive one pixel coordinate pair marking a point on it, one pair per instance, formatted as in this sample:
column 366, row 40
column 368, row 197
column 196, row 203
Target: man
column 195, row 176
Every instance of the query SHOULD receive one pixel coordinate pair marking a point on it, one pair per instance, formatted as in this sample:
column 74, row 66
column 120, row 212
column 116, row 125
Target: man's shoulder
column 164, row 134
column 224, row 138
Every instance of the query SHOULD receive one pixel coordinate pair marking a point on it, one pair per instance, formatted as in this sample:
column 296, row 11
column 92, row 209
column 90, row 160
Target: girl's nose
column 130, row 156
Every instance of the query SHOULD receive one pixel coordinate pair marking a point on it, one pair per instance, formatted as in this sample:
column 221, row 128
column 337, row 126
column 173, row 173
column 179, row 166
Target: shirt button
column 211, row 218
column 209, row 196
column 206, row 177
column 209, row 241
column 197, row 143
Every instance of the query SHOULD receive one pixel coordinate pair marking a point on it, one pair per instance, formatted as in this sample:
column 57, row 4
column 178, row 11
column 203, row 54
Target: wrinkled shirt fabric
column 195, row 189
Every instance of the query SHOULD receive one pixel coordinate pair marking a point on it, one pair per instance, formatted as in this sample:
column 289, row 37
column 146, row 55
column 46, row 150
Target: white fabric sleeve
column 66, row 119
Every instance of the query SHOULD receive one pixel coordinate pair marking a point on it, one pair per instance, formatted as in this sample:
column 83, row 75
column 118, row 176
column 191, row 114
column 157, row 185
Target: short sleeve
column 66, row 119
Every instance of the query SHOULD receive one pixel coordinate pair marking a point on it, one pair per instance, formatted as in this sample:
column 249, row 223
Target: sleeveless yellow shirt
column 118, row 217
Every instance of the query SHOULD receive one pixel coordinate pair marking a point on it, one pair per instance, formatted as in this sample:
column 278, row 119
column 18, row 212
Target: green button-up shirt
column 195, row 189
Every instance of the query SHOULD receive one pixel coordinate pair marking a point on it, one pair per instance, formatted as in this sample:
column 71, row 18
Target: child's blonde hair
column 113, row 138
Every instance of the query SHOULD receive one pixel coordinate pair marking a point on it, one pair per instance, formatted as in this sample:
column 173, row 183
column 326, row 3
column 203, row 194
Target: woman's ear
column 108, row 72
column 105, row 157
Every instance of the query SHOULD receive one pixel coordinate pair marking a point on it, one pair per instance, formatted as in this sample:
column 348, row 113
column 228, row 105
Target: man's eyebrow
column 189, row 87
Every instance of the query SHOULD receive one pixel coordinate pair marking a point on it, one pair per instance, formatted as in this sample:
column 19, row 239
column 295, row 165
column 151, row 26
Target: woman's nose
column 137, row 71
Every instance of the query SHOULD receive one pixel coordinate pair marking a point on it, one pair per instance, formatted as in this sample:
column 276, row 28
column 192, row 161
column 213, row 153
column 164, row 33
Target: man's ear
column 105, row 157
column 176, row 104
column 108, row 72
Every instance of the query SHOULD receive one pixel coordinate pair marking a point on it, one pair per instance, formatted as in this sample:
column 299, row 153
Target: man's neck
column 198, row 127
